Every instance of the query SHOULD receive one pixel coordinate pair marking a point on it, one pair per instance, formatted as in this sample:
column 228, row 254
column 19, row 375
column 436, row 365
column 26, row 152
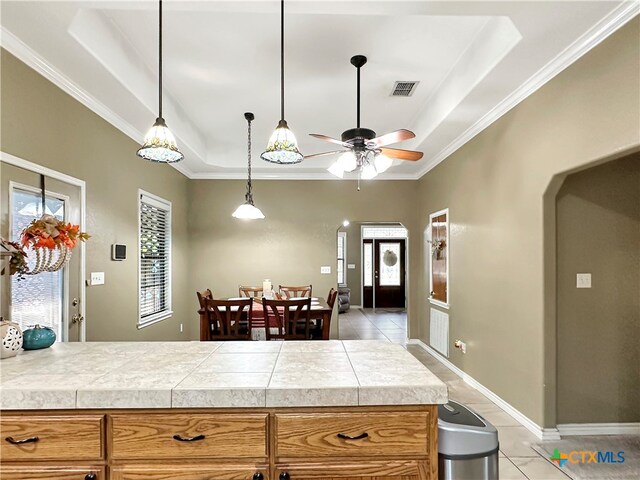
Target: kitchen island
column 219, row 411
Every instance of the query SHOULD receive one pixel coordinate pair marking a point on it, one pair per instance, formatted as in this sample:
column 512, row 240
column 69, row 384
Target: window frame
column 161, row 203
column 343, row 236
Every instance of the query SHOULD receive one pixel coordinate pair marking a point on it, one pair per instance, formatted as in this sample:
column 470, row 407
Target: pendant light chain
column 160, row 60
column 249, row 195
column 281, row 59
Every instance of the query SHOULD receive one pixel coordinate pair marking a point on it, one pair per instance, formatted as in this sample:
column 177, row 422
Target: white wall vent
column 439, row 331
column 404, row 89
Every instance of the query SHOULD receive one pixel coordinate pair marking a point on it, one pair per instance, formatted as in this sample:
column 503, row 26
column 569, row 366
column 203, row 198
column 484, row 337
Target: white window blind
column 154, row 259
column 342, row 258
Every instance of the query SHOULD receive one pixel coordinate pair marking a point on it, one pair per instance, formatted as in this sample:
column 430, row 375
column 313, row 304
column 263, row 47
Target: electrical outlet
column 583, row 280
column 325, row 270
column 97, row 278
column 351, row 266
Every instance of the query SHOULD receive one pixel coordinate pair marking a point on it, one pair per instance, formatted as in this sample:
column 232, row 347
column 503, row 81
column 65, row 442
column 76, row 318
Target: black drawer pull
column 13, row 441
column 357, row 437
column 180, row 438
column 90, row 476
column 285, row 476
column 258, row 476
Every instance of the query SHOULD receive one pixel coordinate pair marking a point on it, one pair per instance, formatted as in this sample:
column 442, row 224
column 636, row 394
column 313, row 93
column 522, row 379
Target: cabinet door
column 36, row 472
column 395, row 470
column 189, row 472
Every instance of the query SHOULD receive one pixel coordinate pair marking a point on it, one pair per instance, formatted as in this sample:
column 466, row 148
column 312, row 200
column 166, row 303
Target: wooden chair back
column 202, row 296
column 229, row 319
column 293, row 292
column 331, row 298
column 291, row 319
column 250, row 292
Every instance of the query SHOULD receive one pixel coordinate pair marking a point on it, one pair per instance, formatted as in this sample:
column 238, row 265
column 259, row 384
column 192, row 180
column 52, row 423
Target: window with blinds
column 154, row 258
column 342, row 258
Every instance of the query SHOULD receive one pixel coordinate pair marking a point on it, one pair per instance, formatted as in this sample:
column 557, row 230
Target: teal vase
column 38, row 337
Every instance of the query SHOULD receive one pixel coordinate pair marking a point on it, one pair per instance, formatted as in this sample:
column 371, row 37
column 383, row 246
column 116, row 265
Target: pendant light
column 159, row 143
column 248, row 211
column 283, row 146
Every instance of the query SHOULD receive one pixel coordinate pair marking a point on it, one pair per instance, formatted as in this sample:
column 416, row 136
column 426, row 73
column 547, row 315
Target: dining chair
column 331, row 297
column 295, row 292
column 250, row 292
column 291, row 319
column 202, row 312
column 229, row 319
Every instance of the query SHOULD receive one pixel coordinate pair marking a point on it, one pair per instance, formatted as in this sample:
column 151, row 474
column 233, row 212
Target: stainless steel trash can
column 467, row 444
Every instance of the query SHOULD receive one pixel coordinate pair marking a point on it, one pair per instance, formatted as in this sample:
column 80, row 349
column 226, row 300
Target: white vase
column 11, row 339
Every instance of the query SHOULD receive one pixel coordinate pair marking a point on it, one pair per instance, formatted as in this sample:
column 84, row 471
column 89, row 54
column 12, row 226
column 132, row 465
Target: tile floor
column 518, row 461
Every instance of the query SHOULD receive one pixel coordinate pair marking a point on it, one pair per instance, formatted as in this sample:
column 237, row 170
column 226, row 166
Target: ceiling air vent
column 404, row 89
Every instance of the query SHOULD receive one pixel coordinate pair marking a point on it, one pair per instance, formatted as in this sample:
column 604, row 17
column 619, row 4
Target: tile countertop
column 216, row 374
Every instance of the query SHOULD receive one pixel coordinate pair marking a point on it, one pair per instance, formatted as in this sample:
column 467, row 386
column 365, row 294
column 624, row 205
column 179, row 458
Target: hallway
column 370, row 324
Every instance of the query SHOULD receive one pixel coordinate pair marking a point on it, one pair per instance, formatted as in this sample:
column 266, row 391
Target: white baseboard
column 571, row 429
column 537, row 430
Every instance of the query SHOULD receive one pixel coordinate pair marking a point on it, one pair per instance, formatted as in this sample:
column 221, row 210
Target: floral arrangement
column 49, row 232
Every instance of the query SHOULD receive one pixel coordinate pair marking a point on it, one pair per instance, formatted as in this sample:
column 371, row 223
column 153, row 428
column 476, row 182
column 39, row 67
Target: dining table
column 320, row 311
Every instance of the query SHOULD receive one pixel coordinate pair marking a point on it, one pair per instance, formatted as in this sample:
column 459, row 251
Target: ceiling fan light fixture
column 369, row 172
column 160, row 144
column 336, row 169
column 348, row 161
column 282, row 147
column 382, row 163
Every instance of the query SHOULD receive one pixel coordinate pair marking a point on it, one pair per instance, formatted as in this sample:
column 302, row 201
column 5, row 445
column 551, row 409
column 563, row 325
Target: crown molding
column 617, row 18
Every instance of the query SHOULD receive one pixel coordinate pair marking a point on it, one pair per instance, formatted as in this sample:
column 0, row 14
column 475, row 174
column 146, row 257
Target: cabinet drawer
column 189, row 436
column 56, row 437
column 352, row 434
column 189, row 472
column 37, row 472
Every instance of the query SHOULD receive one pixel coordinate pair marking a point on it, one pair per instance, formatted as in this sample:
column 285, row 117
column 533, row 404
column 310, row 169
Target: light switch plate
column 583, row 280
column 97, row 278
column 351, row 266
column 325, row 269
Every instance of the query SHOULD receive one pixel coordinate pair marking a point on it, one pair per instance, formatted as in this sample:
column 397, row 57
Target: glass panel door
column 36, row 299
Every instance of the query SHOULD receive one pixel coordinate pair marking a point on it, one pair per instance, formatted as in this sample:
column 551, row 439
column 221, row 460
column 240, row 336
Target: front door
column 51, row 298
column 384, row 273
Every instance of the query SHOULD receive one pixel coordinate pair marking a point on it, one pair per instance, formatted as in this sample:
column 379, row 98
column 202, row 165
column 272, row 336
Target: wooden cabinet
column 39, row 472
column 51, row 437
column 351, row 434
column 347, row 443
column 190, row 472
column 372, row 470
column 158, row 436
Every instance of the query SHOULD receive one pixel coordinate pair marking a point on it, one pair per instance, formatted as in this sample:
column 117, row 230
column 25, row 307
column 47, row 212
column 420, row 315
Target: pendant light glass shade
column 282, row 147
column 160, row 144
column 336, row 169
column 348, row 161
column 248, row 211
column 369, row 172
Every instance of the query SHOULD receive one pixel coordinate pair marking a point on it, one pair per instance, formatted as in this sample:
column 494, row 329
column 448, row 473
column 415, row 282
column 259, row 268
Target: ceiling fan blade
column 330, row 140
column 393, row 137
column 323, row 154
column 410, row 155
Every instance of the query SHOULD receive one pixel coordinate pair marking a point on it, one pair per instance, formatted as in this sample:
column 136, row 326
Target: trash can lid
column 464, row 433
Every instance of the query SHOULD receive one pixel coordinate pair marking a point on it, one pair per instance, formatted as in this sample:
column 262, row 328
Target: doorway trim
column 63, row 177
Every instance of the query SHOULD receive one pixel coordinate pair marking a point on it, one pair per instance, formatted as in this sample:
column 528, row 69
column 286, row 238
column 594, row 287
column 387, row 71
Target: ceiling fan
column 366, row 153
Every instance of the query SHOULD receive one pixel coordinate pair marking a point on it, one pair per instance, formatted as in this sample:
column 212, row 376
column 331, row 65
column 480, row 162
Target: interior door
column 389, row 273
column 51, row 298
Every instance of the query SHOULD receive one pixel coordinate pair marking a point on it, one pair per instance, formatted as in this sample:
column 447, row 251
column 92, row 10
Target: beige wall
column 494, row 187
column 598, row 229
column 42, row 124
column 297, row 237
